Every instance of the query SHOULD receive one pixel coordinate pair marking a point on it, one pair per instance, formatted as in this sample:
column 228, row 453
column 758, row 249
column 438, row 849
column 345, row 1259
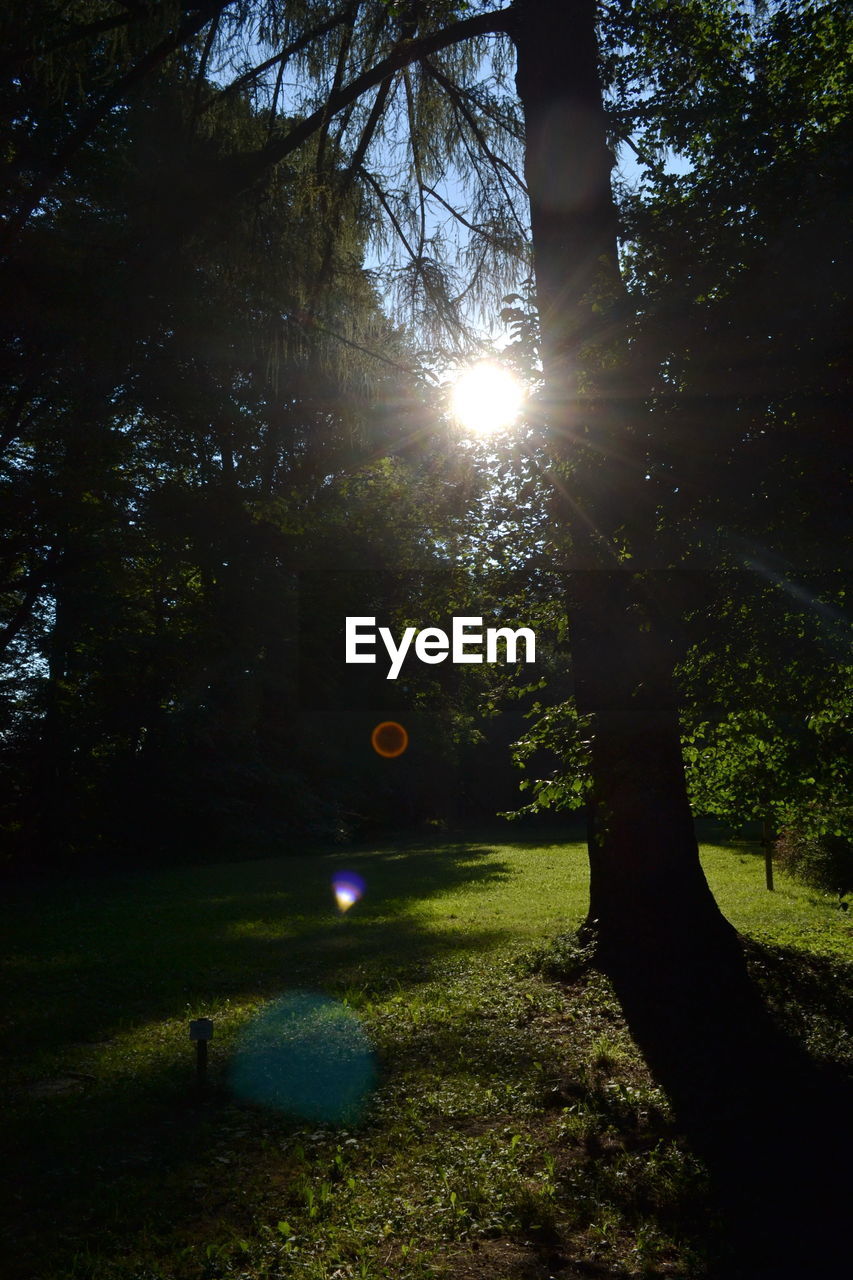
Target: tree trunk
column 677, row 969
column 51, row 793
column 648, row 891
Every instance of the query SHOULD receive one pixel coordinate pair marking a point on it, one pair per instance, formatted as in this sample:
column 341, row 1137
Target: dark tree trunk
column 51, row 794
column 647, row 885
column 648, row 893
column 676, row 964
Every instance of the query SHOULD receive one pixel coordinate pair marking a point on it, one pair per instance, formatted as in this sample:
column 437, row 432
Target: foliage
column 740, row 269
column 563, row 732
column 400, row 137
column 767, row 706
column 737, row 390
column 749, row 766
column 183, row 436
column 823, row 862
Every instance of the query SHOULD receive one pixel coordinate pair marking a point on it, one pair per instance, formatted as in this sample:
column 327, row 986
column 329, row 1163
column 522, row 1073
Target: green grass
column 791, row 916
column 513, row 1126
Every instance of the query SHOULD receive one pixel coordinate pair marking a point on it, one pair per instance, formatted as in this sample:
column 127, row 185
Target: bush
column 822, row 862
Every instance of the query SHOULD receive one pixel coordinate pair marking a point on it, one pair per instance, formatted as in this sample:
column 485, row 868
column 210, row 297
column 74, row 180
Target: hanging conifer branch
column 19, row 58
column 255, row 165
column 279, row 59
column 497, row 162
column 96, row 114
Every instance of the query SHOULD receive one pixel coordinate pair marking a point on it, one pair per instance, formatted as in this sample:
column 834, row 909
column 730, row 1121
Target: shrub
column 822, row 862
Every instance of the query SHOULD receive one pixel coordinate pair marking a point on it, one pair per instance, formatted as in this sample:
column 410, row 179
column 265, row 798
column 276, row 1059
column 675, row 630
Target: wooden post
column 767, row 841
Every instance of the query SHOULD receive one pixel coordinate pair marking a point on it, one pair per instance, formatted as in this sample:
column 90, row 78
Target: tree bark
column 648, row 892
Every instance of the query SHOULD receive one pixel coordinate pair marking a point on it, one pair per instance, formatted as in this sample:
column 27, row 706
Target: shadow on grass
column 772, row 1125
column 95, row 960
column 90, row 969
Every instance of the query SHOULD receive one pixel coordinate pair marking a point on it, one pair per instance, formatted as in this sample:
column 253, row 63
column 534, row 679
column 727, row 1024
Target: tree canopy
column 205, row 394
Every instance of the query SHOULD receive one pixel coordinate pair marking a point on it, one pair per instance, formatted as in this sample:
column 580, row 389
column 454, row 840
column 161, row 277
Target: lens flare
column 486, row 399
column 305, row 1055
column 389, row 739
column 348, row 887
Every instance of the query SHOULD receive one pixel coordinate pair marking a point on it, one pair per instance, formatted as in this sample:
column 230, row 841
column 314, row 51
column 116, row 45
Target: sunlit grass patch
column 790, row 915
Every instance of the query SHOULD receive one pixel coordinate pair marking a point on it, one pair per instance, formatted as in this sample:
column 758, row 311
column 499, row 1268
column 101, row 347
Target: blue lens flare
column 348, row 887
column 308, row 1056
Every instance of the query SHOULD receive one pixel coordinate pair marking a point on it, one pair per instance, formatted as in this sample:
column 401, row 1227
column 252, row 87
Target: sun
column 486, row 398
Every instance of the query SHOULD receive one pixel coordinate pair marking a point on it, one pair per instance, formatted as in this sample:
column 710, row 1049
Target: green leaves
column 562, row 732
column 749, row 764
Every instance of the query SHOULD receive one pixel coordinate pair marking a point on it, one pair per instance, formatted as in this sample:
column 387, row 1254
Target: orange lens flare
column 389, row 739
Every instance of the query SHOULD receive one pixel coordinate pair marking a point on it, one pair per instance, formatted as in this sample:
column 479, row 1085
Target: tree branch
column 38, row 581
column 473, row 227
column 348, row 177
column 457, row 95
column 96, row 114
column 20, row 57
column 392, row 218
column 337, row 81
column 418, row 261
column 492, row 23
column 457, row 106
column 202, row 66
column 250, row 168
column 375, row 355
column 281, row 57
column 416, row 161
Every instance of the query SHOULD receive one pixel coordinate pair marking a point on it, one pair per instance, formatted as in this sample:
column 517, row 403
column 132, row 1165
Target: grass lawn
column 512, row 1129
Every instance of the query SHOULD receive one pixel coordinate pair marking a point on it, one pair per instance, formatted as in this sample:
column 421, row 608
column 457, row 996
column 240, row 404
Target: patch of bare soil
column 503, row 1259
